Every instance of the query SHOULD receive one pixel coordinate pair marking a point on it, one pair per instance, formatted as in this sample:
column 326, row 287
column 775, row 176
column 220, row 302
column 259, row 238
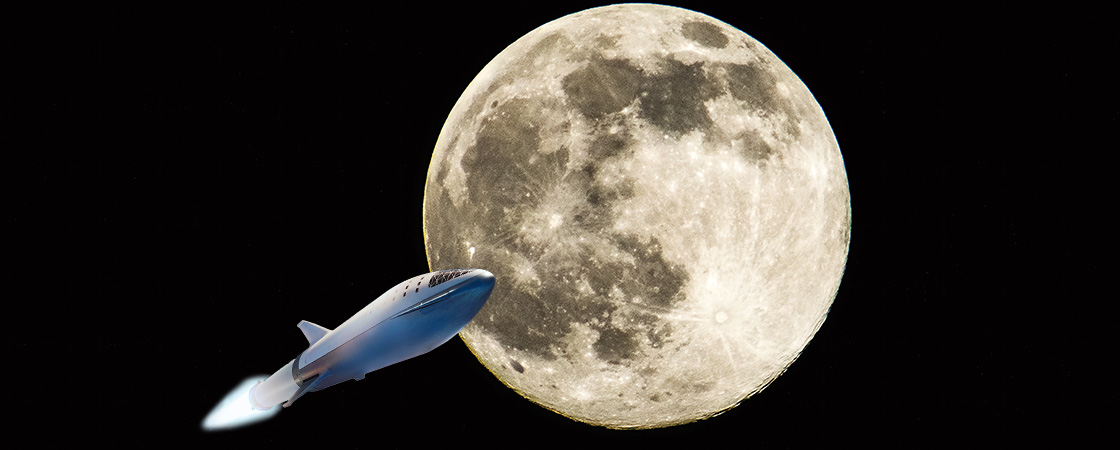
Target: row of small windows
column 439, row 278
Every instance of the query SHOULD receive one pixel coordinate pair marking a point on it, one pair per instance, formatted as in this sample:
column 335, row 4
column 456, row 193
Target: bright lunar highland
column 664, row 207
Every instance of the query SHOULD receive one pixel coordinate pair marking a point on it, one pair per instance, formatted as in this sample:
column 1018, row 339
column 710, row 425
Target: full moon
column 664, row 207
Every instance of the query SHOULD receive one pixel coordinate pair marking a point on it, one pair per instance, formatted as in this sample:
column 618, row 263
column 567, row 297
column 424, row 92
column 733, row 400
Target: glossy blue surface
column 410, row 333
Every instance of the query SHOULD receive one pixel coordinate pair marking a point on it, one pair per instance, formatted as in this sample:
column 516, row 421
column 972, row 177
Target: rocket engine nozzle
column 275, row 390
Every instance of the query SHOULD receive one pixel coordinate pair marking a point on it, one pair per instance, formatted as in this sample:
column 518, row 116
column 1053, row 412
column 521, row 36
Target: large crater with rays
column 663, row 204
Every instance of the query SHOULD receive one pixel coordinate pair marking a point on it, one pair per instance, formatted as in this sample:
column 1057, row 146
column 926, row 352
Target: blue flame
column 235, row 411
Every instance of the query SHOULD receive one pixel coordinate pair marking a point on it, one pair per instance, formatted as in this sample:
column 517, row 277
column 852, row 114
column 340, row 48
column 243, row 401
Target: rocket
column 409, row 320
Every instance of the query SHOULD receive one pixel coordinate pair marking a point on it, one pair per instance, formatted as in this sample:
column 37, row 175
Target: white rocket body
column 409, row 320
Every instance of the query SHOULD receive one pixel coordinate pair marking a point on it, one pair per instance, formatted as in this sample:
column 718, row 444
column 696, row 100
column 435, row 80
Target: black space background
column 186, row 185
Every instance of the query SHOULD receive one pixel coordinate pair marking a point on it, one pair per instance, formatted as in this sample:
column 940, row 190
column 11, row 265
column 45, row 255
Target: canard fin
column 312, row 332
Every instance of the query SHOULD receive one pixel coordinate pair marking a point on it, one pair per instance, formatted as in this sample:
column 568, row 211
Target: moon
column 664, row 207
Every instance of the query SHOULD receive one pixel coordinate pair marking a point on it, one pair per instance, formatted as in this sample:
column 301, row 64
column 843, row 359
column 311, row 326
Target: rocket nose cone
column 484, row 275
column 483, row 279
column 479, row 290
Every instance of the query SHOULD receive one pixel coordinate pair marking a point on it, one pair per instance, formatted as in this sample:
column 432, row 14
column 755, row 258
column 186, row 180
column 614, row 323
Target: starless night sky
column 194, row 183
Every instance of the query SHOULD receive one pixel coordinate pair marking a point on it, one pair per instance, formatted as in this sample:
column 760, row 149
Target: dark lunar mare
column 673, row 99
column 705, row 33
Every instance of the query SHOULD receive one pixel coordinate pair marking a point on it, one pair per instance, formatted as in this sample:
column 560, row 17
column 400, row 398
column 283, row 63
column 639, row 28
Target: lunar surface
column 663, row 204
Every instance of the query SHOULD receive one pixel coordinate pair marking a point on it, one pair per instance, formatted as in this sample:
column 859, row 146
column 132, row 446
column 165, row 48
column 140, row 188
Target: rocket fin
column 307, row 387
column 312, row 332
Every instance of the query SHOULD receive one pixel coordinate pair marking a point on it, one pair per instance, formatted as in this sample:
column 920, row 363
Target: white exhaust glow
column 235, row 411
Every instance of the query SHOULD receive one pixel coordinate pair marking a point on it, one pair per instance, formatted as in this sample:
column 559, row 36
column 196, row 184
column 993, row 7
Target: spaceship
column 409, row 320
